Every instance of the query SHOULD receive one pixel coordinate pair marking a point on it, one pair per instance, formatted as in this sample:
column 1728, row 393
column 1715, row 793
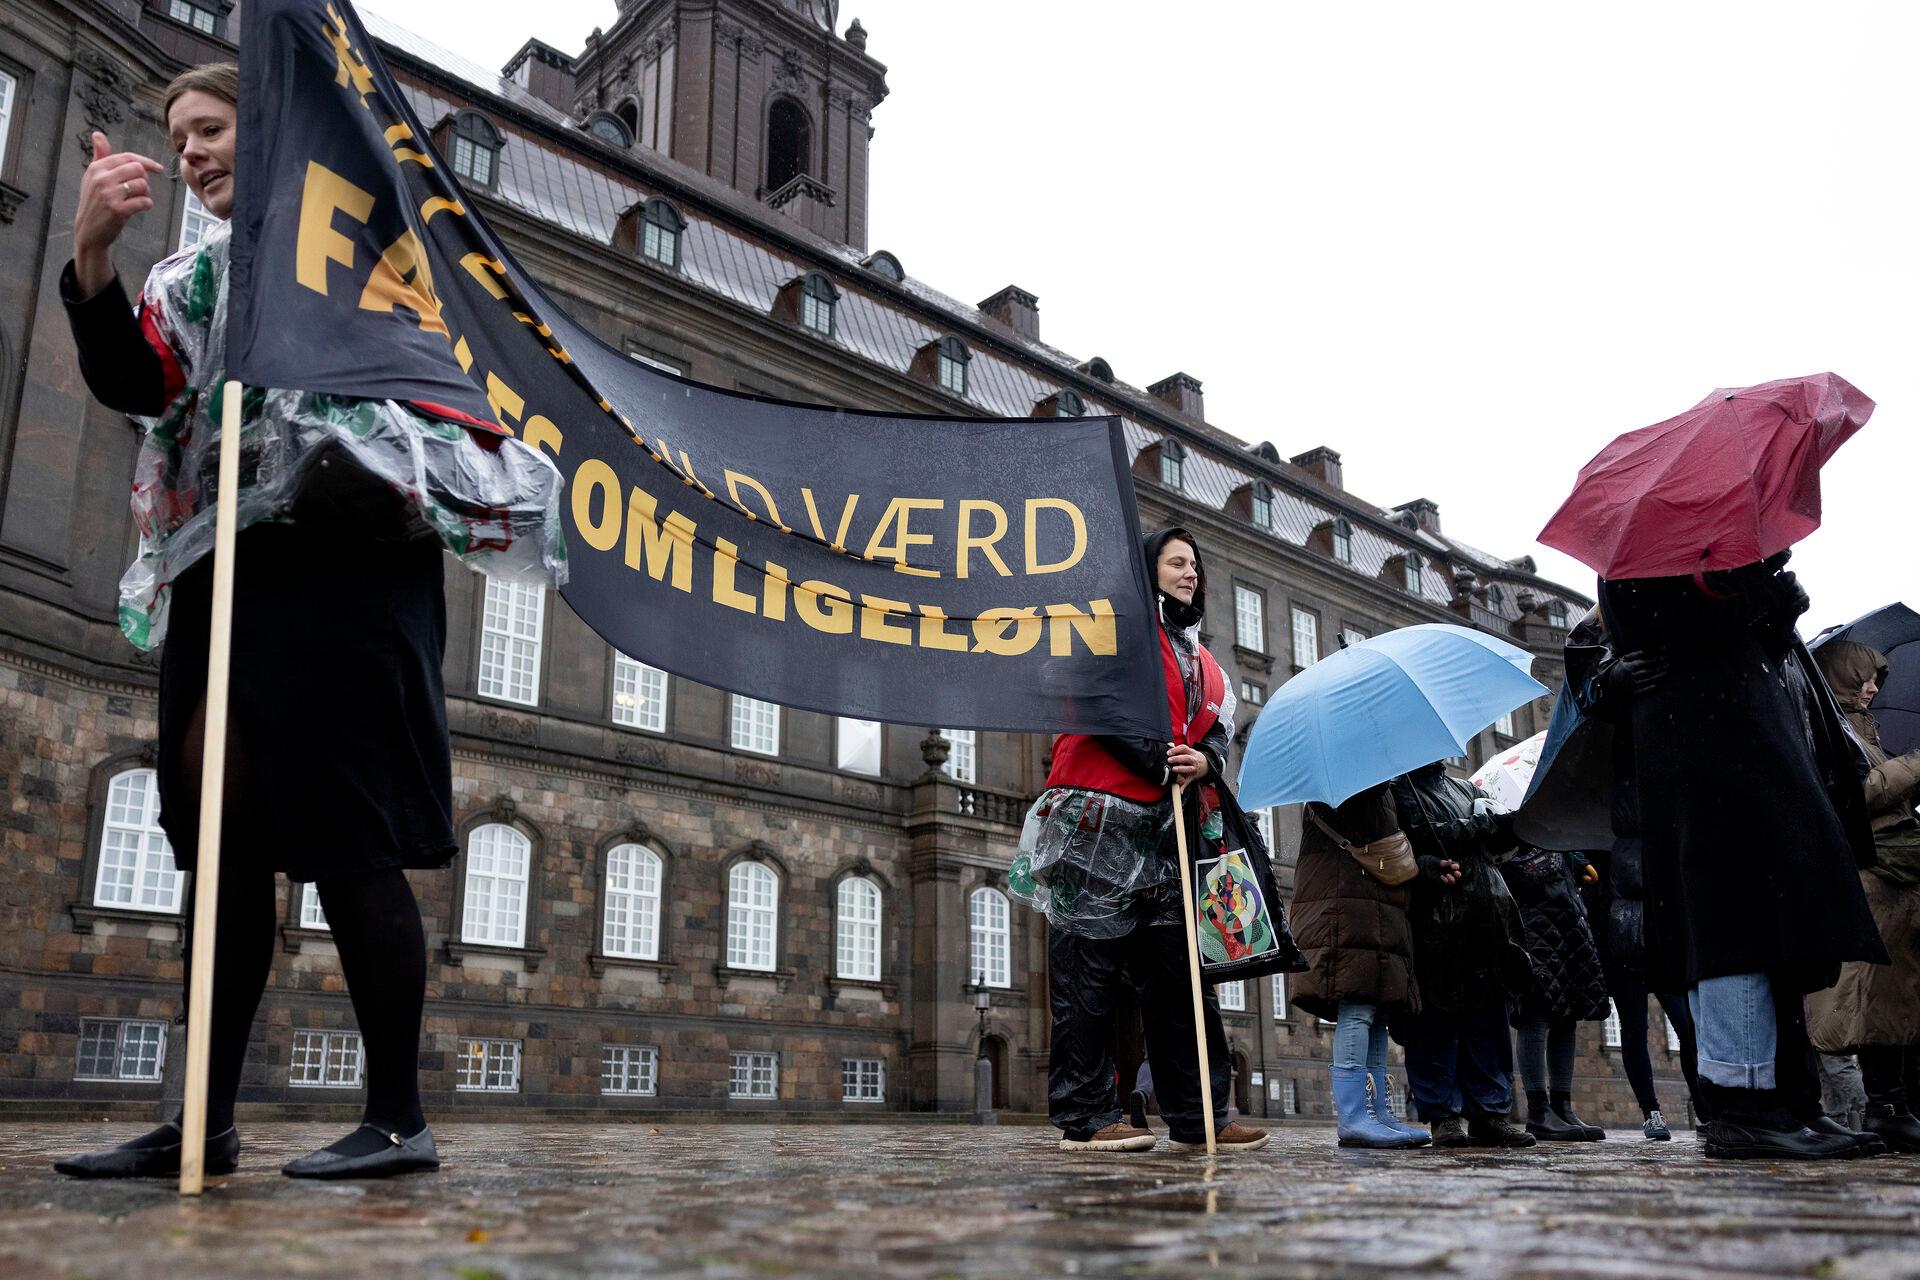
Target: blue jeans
column 1360, row 1037
column 1734, row 1024
column 1461, row 1063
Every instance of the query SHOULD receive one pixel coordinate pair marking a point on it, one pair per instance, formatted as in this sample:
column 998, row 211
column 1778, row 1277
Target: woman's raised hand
column 115, row 188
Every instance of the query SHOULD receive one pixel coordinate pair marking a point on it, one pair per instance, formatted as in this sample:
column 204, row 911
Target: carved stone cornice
column 104, row 86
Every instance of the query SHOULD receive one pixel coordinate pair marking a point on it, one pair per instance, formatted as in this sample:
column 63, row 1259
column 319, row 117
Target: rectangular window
column 488, row 1066
column 1290, row 1099
column 816, row 313
column 8, row 87
column 312, row 914
column 1263, row 820
column 1610, row 1031
column 639, row 695
column 1504, row 725
column 472, row 161
column 857, row 746
column 1342, row 542
column 1306, row 638
column 1280, row 1013
column 194, row 16
column 863, row 1080
column 136, row 862
column 112, row 1049
column 326, row 1060
column 990, row 938
column 1249, row 619
column 510, row 627
column 1252, row 692
column 1411, row 569
column 753, row 1075
column 1173, row 467
column 1352, row 635
column 195, row 221
column 660, row 243
column 1262, row 509
column 630, row 1069
column 499, row 860
column 953, row 375
column 756, row 725
column 963, row 762
column 1233, row 996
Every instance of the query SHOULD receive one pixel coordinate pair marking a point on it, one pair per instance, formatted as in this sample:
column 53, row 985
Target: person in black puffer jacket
column 1469, row 957
column 1571, row 988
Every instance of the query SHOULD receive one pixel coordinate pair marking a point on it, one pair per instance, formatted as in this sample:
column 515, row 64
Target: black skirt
column 339, row 762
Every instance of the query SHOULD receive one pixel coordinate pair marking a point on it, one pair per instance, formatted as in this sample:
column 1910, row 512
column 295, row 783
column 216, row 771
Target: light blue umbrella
column 1379, row 708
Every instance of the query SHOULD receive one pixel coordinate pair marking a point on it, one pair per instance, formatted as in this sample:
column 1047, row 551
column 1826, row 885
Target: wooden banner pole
column 213, row 774
column 1193, row 962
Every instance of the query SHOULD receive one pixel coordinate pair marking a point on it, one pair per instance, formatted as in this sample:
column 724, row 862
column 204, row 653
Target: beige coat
column 1873, row 1004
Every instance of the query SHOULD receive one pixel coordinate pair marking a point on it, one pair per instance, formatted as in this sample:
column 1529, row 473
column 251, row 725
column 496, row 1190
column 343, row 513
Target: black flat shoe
column 1137, row 1109
column 400, row 1155
column 1866, row 1144
column 1758, row 1139
column 222, row 1155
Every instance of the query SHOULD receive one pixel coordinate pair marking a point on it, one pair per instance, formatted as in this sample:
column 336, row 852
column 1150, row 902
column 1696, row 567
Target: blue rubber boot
column 1383, row 1112
column 1358, row 1128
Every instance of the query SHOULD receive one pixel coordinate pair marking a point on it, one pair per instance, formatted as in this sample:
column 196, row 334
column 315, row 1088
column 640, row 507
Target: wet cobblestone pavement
column 931, row 1201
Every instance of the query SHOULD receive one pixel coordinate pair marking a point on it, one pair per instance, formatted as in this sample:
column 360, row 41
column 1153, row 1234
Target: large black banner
column 983, row 574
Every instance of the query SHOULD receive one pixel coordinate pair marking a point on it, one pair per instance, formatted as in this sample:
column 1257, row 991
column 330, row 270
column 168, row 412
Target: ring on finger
column 126, row 191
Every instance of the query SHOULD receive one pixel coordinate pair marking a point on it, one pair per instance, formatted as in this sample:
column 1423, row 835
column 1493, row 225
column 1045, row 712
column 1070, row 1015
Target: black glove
column 1635, row 674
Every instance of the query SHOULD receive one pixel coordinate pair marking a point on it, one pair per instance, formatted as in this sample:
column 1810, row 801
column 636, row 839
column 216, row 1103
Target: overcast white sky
column 1465, row 244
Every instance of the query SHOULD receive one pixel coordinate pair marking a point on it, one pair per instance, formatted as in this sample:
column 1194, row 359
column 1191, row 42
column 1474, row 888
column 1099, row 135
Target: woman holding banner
column 1097, row 857
column 339, row 769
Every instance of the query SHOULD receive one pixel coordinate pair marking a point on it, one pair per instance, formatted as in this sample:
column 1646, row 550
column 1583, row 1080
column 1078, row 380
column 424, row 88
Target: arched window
column 789, row 142
column 629, row 114
column 1413, row 567
column 1068, row 404
column 1262, row 504
column 499, row 859
column 660, row 229
column 817, row 299
column 136, row 862
column 753, row 903
column 857, row 930
column 990, row 949
column 883, row 263
column 1343, row 541
column 1099, row 368
column 608, row 127
column 1173, row 463
column 631, row 927
column 1557, row 614
column 476, row 148
column 953, row 365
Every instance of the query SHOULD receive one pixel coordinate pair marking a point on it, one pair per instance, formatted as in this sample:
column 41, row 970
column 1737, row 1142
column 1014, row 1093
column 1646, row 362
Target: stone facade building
column 668, row 897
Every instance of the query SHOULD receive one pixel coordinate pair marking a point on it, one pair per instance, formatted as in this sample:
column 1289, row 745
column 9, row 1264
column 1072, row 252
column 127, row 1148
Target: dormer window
column 476, row 149
column 1557, row 614
column 610, row 128
column 1262, row 504
column 198, row 16
column 1099, row 368
column 1173, row 463
column 817, row 299
column 660, row 228
column 1343, row 541
column 882, row 263
column 1412, row 566
column 1067, row 404
column 1495, row 596
column 953, row 365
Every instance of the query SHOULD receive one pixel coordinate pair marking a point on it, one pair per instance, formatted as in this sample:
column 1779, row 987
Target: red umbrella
column 1729, row 482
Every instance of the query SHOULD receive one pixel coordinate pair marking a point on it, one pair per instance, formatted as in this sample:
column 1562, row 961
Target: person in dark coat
column 1570, row 987
column 1358, row 941
column 1469, row 959
column 338, row 768
column 1599, row 685
column 1754, row 823
column 1874, row 1010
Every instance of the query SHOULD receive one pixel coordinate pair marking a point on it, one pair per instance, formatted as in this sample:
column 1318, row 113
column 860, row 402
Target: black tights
column 1630, row 1004
column 383, row 953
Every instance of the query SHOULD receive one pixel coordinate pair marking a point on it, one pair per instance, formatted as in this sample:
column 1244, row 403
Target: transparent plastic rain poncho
column 1086, row 856
column 494, row 503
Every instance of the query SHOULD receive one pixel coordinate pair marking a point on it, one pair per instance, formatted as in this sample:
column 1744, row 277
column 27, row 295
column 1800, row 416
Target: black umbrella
column 1895, row 631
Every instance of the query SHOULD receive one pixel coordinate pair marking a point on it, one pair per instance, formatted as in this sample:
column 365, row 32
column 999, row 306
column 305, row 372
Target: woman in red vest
column 1097, row 856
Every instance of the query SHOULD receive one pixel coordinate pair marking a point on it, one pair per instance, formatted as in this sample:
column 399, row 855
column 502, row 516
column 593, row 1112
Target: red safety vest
column 1080, row 760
